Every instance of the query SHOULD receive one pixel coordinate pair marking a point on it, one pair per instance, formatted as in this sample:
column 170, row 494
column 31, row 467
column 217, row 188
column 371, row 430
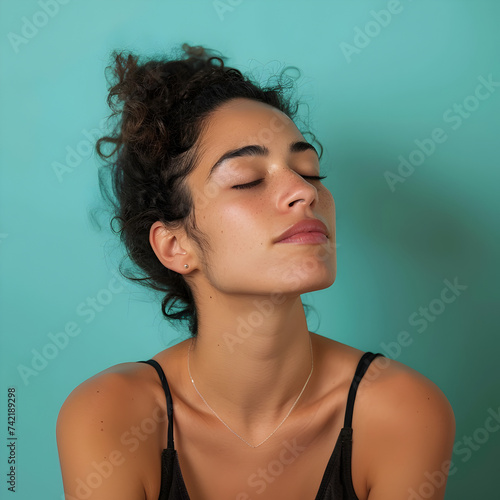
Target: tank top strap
column 168, row 397
column 363, row 365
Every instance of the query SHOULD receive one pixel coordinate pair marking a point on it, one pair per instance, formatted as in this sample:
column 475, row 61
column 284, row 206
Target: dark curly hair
column 160, row 108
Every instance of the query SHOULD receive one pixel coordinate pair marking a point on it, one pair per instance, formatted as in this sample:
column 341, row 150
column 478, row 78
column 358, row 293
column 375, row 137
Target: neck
column 252, row 375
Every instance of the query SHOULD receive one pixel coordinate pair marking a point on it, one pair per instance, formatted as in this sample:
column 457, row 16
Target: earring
column 186, row 266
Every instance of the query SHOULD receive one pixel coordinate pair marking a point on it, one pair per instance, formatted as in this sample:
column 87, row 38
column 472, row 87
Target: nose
column 296, row 190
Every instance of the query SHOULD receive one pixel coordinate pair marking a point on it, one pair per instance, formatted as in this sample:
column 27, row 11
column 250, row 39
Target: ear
column 167, row 246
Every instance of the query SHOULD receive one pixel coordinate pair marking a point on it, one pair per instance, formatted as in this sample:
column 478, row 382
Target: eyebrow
column 257, row 150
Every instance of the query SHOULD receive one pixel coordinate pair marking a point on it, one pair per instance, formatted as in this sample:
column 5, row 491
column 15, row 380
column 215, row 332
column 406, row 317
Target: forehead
column 242, row 121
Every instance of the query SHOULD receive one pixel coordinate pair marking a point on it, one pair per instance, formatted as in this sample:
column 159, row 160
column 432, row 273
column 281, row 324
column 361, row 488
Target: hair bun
column 194, row 50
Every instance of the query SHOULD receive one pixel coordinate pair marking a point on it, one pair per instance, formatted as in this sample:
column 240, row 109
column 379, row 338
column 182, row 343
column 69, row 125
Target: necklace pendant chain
column 279, row 425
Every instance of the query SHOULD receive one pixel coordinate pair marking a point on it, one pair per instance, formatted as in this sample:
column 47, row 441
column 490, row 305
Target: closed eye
column 249, row 185
column 258, row 181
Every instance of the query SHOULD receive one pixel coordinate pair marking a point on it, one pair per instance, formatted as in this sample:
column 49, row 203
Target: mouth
column 306, row 231
column 309, row 238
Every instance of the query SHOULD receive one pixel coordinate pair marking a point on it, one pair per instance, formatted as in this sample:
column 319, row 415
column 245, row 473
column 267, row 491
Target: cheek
column 235, row 228
column 333, row 208
column 327, row 196
column 326, row 203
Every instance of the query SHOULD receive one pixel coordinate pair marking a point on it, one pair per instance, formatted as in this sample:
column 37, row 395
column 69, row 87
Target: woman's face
column 243, row 223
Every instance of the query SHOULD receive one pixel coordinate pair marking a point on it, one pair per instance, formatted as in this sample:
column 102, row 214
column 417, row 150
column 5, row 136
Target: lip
column 305, row 231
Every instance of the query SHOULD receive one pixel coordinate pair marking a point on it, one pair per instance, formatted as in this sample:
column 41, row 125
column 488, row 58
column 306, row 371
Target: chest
column 290, row 471
column 216, row 465
column 292, row 466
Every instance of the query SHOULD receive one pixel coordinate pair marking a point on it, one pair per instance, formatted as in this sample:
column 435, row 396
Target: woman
column 221, row 207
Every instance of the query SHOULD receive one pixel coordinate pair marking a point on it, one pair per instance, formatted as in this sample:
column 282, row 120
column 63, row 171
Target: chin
column 324, row 284
column 314, row 281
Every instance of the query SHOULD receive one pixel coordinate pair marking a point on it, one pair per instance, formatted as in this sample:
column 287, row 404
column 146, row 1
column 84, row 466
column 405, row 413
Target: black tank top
column 337, row 480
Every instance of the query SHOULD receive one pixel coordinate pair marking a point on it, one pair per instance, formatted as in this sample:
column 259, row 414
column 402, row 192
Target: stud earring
column 186, row 266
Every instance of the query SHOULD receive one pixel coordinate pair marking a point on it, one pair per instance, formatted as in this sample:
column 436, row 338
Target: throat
column 252, row 403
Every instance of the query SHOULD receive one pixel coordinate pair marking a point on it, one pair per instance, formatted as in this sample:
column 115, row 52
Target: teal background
column 395, row 248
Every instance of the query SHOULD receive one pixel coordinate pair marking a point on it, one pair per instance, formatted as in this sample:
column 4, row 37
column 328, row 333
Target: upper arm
column 94, row 462
column 413, row 438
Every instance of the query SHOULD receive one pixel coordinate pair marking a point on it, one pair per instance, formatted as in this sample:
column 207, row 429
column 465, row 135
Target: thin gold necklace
column 280, row 424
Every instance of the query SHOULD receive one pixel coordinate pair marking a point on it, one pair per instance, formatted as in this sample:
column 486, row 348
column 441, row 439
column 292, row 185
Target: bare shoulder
column 403, row 426
column 109, row 392
column 400, row 397
column 388, row 387
column 108, row 432
column 407, row 427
